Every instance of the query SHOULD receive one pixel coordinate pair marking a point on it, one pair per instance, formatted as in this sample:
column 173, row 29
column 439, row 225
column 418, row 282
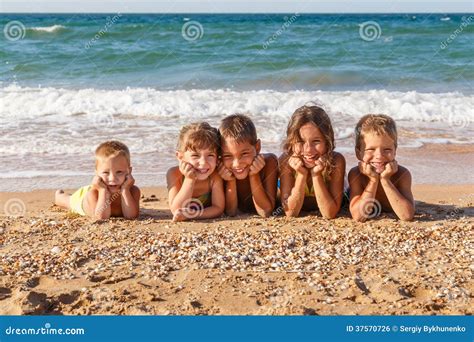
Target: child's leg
column 62, row 199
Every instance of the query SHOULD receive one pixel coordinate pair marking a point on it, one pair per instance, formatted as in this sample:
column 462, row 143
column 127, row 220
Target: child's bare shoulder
column 173, row 171
column 173, row 175
column 270, row 159
column 283, row 159
column 215, row 177
column 354, row 172
column 402, row 174
column 135, row 190
column 339, row 159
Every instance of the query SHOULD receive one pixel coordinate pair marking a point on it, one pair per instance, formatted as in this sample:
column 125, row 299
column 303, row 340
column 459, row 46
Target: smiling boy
column 250, row 177
column 378, row 180
column 112, row 192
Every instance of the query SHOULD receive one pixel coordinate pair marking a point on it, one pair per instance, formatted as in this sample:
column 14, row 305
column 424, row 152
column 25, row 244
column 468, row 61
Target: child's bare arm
column 130, row 202
column 291, row 187
column 230, row 189
column 179, row 190
column 361, row 195
column 400, row 197
column 130, row 198
column 217, row 207
column 264, row 193
column 329, row 198
column 97, row 203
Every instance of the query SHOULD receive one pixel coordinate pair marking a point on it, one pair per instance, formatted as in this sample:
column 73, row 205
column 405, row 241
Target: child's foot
column 61, row 199
column 57, row 195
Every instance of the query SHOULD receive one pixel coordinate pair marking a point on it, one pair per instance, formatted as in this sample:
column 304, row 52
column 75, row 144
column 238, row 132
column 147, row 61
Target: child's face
column 311, row 146
column 377, row 150
column 203, row 161
column 238, row 157
column 113, row 171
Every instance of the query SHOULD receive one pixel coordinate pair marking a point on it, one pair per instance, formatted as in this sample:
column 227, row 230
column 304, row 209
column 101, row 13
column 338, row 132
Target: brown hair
column 238, row 127
column 378, row 124
column 111, row 149
column 198, row 136
column 317, row 116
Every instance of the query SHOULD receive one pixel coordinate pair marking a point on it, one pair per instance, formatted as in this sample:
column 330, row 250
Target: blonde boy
column 378, row 183
column 112, row 192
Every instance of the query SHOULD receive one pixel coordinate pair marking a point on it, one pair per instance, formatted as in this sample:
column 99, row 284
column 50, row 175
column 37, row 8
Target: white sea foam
column 57, row 130
column 408, row 106
column 49, row 29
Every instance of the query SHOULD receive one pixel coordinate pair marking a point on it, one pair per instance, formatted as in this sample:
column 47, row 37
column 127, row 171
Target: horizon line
column 96, row 12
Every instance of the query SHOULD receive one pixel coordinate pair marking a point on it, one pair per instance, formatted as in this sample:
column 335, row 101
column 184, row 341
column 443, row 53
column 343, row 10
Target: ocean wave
column 48, row 29
column 206, row 103
column 67, row 122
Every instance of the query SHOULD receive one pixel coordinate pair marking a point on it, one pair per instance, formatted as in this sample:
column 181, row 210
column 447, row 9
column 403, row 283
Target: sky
column 236, row 6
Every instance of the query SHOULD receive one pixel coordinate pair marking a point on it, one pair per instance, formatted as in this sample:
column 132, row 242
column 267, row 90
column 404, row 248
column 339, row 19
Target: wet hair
column 378, row 124
column 111, row 149
column 198, row 136
column 318, row 117
column 238, row 127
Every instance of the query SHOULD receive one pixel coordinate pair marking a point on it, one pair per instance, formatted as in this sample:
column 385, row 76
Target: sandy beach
column 52, row 262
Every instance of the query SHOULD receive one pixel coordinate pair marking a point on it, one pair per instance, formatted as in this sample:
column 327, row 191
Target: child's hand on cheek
column 187, row 170
column 98, row 183
column 318, row 168
column 390, row 169
column 225, row 173
column 368, row 170
column 129, row 182
column 297, row 164
column 257, row 165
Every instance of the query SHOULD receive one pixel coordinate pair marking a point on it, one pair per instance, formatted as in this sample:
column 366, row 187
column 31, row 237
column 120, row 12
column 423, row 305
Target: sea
column 71, row 81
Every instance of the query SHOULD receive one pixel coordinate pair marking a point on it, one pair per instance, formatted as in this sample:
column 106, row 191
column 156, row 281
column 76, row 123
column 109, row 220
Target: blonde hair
column 379, row 124
column 198, row 136
column 238, row 127
column 318, row 117
column 111, row 149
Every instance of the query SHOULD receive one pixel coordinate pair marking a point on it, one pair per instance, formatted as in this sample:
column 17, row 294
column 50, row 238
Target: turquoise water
column 310, row 52
column 69, row 82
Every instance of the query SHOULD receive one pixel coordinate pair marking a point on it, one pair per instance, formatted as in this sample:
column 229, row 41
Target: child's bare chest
column 116, row 205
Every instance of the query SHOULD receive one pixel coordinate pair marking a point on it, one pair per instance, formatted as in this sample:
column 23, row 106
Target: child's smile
column 312, row 144
column 238, row 157
column 379, row 150
column 203, row 161
column 113, row 171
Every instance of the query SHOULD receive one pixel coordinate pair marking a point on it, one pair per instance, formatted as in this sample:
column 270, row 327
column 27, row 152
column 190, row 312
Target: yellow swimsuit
column 77, row 198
